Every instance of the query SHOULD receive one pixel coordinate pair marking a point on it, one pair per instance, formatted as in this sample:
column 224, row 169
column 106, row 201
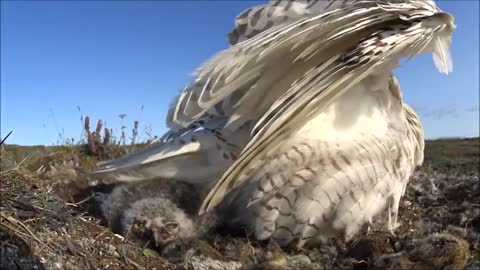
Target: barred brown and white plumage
column 306, row 95
column 260, row 18
column 318, row 185
column 338, row 146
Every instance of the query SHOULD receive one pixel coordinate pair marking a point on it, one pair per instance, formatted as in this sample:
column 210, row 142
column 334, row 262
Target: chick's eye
column 138, row 223
column 171, row 225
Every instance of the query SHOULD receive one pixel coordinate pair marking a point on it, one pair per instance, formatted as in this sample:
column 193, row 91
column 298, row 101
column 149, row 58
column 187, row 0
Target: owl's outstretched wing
column 197, row 156
column 211, row 120
column 205, row 139
column 257, row 19
column 230, row 83
column 327, row 55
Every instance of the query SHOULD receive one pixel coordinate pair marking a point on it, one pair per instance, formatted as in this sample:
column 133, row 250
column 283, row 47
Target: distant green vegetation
column 444, row 156
column 453, row 155
column 19, row 153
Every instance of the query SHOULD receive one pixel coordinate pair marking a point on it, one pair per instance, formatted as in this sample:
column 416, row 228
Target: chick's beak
column 162, row 235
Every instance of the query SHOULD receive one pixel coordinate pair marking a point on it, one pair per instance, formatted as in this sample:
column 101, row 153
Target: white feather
column 441, row 54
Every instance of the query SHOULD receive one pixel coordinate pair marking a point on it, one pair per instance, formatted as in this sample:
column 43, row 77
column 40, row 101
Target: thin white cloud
column 472, row 109
column 419, row 108
column 442, row 112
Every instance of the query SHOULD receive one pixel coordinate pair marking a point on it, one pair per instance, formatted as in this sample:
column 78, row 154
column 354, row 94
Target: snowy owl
column 298, row 129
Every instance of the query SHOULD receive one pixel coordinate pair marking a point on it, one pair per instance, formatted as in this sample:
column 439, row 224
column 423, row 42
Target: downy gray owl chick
column 161, row 209
column 160, row 218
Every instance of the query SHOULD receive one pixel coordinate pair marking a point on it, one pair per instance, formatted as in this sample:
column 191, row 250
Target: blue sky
column 109, row 58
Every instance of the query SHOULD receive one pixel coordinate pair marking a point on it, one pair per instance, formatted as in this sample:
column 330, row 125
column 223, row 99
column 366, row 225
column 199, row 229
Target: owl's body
column 305, row 96
column 335, row 174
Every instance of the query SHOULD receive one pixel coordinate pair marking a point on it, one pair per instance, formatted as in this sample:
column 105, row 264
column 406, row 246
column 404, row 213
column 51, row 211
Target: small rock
column 455, row 230
column 112, row 249
column 180, row 250
column 396, row 261
column 302, row 262
column 365, row 249
column 405, row 203
column 206, row 263
column 272, row 258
